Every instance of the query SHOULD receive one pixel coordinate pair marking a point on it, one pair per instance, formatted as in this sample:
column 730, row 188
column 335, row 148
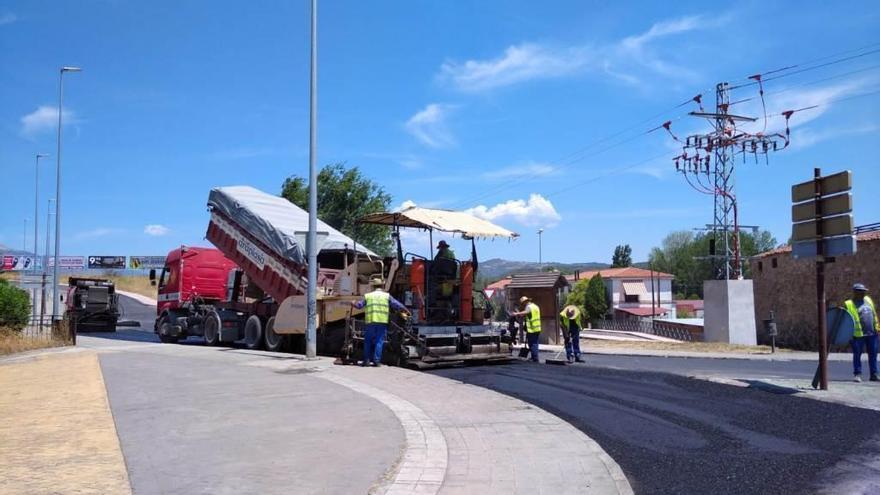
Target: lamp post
column 37, row 205
column 540, row 261
column 58, row 188
column 311, row 243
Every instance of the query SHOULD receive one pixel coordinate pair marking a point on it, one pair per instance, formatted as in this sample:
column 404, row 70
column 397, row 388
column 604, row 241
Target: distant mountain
column 8, row 251
column 496, row 268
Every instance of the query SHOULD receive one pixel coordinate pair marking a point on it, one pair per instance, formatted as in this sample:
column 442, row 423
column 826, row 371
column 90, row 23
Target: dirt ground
column 57, row 433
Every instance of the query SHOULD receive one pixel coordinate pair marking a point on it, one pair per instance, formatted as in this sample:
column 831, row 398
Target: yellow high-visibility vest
column 854, row 312
column 576, row 318
column 533, row 319
column 376, row 309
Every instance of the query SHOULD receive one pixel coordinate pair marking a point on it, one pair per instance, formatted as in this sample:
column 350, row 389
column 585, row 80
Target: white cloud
column 95, row 233
column 537, row 211
column 811, row 137
column 7, row 18
column 429, row 126
column 535, row 61
column 156, row 230
column 524, row 62
column 520, row 171
column 43, row 119
column 406, row 204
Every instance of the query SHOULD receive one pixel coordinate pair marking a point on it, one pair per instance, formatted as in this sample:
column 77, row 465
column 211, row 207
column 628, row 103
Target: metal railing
column 655, row 327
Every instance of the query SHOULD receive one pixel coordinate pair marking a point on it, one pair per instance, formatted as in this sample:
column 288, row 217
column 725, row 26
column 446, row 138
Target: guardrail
column 661, row 328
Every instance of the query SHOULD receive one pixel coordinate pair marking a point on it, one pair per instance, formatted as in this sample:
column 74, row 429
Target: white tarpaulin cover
column 275, row 221
column 442, row 220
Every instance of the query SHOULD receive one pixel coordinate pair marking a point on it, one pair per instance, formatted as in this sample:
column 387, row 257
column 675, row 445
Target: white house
column 630, row 292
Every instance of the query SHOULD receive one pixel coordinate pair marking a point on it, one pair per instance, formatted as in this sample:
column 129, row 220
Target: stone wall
column 788, row 286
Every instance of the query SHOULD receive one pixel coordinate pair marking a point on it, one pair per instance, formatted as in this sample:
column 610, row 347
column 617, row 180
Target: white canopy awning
column 442, row 220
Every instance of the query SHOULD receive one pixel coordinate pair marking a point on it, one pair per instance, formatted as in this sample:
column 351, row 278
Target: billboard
column 146, row 262
column 107, row 262
column 18, row 262
column 67, row 262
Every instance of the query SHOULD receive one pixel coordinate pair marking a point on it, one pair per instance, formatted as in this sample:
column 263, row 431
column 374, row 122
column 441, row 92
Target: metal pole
column 37, row 207
column 55, row 314
column 540, row 259
column 653, row 311
column 820, row 283
column 45, row 263
column 311, row 245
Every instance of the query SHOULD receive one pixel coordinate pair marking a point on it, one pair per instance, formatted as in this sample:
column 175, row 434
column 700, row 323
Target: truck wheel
column 274, row 342
column 253, row 333
column 111, row 325
column 164, row 330
column 212, row 328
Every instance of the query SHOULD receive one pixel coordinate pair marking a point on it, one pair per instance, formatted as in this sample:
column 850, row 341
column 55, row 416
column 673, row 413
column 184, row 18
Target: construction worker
column 531, row 313
column 377, row 306
column 444, row 252
column 866, row 326
column 572, row 323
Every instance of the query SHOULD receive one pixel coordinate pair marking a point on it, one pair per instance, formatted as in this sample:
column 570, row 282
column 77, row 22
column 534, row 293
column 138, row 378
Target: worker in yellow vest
column 377, row 306
column 531, row 313
column 571, row 321
column 865, row 328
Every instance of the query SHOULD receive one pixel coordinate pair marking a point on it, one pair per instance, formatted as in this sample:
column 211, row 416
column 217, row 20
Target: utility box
column 729, row 307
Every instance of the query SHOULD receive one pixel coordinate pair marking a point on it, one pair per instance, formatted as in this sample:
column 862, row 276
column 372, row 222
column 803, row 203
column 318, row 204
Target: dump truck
column 92, row 304
column 252, row 287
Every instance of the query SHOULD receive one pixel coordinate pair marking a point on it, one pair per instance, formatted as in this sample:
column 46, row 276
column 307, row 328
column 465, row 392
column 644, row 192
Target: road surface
column 673, row 434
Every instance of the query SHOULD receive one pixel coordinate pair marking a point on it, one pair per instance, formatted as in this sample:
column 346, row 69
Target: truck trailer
column 252, row 287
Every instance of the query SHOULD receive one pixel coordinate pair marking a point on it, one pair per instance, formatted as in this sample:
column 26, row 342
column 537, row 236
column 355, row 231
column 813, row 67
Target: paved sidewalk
column 57, row 433
column 865, row 395
column 493, row 443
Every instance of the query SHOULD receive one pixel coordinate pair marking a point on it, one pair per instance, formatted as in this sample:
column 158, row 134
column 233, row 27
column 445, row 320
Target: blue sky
column 504, row 107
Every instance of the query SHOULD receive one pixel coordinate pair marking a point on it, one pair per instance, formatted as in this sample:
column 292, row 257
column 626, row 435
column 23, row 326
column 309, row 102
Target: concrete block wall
column 789, row 288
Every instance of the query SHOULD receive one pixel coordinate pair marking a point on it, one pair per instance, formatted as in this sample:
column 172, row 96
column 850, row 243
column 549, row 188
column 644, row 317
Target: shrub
column 15, row 306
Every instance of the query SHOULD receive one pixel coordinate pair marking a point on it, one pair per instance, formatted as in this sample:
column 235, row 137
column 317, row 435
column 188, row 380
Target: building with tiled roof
column 787, row 286
column 634, row 293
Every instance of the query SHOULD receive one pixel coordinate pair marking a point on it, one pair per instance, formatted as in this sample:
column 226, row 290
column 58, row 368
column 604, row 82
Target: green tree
column 596, row 299
column 686, row 256
column 622, row 256
column 578, row 295
column 15, row 306
column 344, row 196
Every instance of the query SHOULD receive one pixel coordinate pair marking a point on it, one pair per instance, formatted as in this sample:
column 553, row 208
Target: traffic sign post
column 822, row 227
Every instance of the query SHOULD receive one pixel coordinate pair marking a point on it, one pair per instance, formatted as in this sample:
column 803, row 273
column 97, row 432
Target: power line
column 579, row 155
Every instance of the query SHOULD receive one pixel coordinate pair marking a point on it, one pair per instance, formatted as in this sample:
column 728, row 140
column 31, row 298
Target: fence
column 652, row 327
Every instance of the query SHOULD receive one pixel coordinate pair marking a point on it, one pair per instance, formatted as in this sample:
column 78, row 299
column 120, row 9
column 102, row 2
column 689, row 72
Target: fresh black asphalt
column 673, row 434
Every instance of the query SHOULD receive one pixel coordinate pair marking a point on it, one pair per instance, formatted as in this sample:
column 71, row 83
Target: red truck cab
column 191, row 274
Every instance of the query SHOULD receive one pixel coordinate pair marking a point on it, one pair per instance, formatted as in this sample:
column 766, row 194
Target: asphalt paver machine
column 449, row 322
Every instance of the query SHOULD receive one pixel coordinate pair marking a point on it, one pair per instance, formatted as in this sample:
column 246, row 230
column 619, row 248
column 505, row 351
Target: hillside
column 496, row 268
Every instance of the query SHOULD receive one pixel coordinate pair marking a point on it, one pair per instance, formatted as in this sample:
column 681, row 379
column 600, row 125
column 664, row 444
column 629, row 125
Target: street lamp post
column 37, row 206
column 540, row 260
column 45, row 265
column 311, row 243
column 58, row 188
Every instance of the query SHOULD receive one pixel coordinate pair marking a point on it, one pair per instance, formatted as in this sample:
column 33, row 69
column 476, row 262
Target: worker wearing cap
column 377, row 306
column 572, row 323
column 865, row 328
column 531, row 313
column 444, row 252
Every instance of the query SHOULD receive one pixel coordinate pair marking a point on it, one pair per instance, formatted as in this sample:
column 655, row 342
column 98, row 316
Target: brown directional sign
column 830, row 227
column 832, row 184
column 835, row 205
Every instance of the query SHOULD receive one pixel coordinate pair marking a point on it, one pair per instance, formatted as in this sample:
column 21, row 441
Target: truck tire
column 164, row 330
column 253, row 333
column 274, row 342
column 111, row 325
column 212, row 328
